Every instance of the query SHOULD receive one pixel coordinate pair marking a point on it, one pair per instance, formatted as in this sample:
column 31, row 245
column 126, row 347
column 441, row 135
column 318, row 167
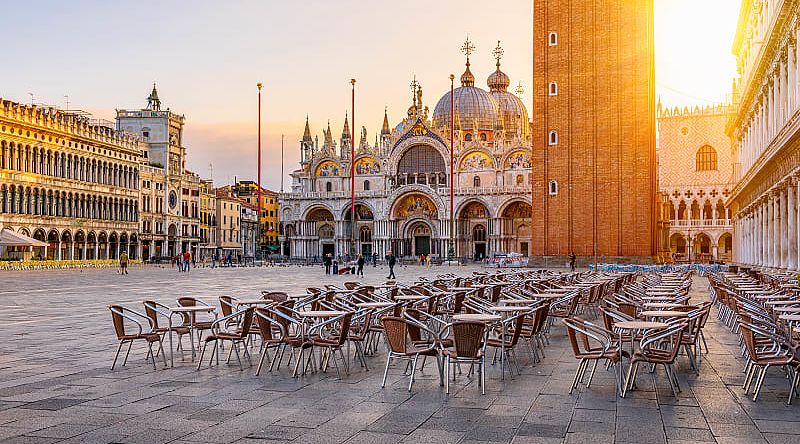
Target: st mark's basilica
column 402, row 194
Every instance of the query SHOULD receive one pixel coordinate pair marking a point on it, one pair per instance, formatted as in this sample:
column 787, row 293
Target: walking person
column 572, row 259
column 335, row 267
column 374, row 259
column 327, row 262
column 360, row 264
column 187, row 261
column 123, row 263
column 391, row 260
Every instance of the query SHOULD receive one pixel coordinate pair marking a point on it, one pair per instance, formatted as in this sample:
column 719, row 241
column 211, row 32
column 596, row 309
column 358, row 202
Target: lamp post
column 353, row 171
column 258, row 198
column 451, row 247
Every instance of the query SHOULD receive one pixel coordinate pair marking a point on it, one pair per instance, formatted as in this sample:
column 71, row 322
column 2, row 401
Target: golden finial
column 467, row 48
column 414, row 84
column 498, row 53
column 519, row 90
column 259, row 85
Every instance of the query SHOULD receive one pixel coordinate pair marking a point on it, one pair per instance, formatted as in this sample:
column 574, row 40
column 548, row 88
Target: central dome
column 475, row 109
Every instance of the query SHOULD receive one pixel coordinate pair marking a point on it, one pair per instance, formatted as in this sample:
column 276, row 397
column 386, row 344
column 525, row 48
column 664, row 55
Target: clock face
column 173, row 199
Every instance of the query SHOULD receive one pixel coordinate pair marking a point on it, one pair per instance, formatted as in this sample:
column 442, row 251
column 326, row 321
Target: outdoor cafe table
column 659, row 293
column 410, row 297
column 190, row 312
column 374, row 304
column 517, row 301
column 658, row 298
column 792, row 309
column 253, row 302
column 657, row 305
column 634, row 325
column 664, row 314
column 477, row 317
column 782, row 302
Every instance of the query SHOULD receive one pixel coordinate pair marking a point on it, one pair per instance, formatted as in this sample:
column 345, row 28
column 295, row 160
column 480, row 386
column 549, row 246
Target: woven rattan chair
column 236, row 336
column 119, row 315
column 657, row 347
column 400, row 347
column 592, row 343
column 468, row 347
column 197, row 325
column 508, row 343
column 266, row 329
column 340, row 327
column 766, row 349
column 152, row 310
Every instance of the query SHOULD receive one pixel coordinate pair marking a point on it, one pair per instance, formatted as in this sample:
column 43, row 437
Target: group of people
column 332, row 265
column 184, row 260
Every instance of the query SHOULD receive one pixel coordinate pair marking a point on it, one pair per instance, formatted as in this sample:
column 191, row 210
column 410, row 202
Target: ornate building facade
column 170, row 216
column 594, row 130
column 695, row 170
column 402, row 181
column 69, row 181
column 764, row 129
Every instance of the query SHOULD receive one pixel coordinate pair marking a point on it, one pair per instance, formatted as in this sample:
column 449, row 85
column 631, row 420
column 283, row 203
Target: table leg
column 503, row 352
column 169, row 332
column 191, row 334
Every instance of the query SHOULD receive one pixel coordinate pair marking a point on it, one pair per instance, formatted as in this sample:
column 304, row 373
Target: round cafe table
column 477, row 317
column 374, row 304
column 664, row 305
column 664, row 314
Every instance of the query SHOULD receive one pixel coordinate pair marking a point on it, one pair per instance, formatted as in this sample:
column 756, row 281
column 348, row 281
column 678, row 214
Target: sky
column 206, row 59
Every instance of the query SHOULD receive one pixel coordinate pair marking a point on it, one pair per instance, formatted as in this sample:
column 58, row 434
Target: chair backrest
column 264, row 321
column 653, row 340
column 276, row 296
column 344, row 327
column 628, row 308
column 247, row 322
column 187, row 301
column 519, row 323
column 150, row 311
column 226, row 303
column 417, row 317
column 351, row 285
column 118, row 319
column 394, row 329
column 468, row 338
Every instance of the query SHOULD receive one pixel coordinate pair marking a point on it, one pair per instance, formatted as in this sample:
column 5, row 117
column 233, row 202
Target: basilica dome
column 475, row 108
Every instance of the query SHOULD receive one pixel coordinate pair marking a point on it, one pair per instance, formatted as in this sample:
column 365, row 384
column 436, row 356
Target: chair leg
column 264, row 354
column 760, row 382
column 386, row 370
column 202, row 353
column 439, row 366
column 591, row 374
column 633, row 368
column 577, row 374
column 161, row 349
column 447, row 376
column 125, row 361
column 235, row 346
column 119, row 348
column 483, row 375
column 413, row 371
column 793, row 388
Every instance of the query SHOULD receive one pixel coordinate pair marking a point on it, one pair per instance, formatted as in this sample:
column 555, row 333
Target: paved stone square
column 57, row 343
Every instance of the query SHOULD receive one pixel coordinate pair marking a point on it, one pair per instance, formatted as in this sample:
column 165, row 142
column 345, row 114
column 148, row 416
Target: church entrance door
column 327, row 249
column 422, row 245
column 480, row 250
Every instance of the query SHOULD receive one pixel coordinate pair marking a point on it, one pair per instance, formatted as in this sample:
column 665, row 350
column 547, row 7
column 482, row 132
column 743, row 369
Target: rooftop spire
column 307, row 132
column 346, row 129
column 153, row 102
column 385, row 131
column 327, row 137
column 467, row 79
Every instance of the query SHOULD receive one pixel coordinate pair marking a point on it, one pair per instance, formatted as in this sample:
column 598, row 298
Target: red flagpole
column 258, row 205
column 452, row 164
column 353, row 168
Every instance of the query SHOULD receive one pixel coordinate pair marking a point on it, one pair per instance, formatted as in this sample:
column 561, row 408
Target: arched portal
column 515, row 223
column 725, row 247
column 322, row 225
column 422, row 164
column 39, row 235
column 416, row 216
column 91, row 245
column 677, row 244
column 80, row 245
column 473, row 219
column 363, row 229
column 701, row 248
column 53, row 241
column 418, row 237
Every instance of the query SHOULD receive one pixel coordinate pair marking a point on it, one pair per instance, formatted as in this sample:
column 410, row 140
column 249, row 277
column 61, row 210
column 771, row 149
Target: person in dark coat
column 327, row 262
column 391, row 260
column 360, row 264
column 572, row 259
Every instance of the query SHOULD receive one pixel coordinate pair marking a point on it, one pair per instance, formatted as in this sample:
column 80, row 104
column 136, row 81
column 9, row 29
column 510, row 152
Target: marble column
column 791, row 79
column 791, row 226
column 784, row 227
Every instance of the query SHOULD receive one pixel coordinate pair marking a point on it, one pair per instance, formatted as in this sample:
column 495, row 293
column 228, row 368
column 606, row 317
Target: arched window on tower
column 706, row 158
column 468, row 137
column 553, row 89
column 552, row 138
column 366, row 185
column 553, row 188
column 476, row 181
column 552, row 39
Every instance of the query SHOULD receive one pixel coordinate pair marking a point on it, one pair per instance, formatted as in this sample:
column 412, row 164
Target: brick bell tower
column 594, row 131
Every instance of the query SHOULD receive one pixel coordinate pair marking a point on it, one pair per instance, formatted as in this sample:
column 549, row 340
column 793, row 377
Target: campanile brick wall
column 605, row 159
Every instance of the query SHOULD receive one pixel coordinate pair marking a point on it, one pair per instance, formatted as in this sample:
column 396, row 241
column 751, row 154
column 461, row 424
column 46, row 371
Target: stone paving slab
column 56, row 347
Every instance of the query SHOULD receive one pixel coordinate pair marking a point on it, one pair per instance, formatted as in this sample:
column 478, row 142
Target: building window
column 552, row 138
column 366, row 185
column 476, row 181
column 468, row 137
column 553, row 188
column 553, row 89
column 328, row 187
column 552, row 39
column 706, row 158
column 482, row 137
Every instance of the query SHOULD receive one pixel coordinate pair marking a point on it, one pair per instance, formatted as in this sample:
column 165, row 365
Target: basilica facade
column 402, row 181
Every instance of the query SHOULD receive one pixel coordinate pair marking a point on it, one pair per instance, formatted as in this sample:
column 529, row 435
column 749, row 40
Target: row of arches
column 34, row 159
column 17, row 199
column 703, row 246
column 80, row 244
column 694, row 211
